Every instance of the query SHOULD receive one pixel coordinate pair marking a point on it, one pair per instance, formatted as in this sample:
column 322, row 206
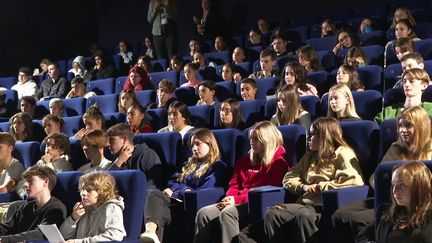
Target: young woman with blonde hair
column 289, row 108
column 99, row 215
column 264, row 165
column 341, row 104
column 328, row 164
column 203, row 169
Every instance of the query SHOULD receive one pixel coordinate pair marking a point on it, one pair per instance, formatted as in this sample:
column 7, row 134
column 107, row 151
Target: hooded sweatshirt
column 104, row 223
column 81, row 71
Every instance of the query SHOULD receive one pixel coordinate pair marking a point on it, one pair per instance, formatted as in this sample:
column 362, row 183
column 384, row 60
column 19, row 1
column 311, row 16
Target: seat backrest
column 388, row 135
column 146, row 97
column 265, row 86
column 322, row 44
column 294, row 137
column 424, row 47
column 11, row 101
column 393, row 96
column 156, row 77
column 252, row 111
column 77, row 157
column 101, row 86
column 132, row 185
column 363, row 137
column 371, row 76
column 106, row 103
column 312, row 105
column 159, row 65
column 327, row 59
column 74, row 106
column 4, row 126
column 119, row 84
column 72, row 125
column 27, row 153
column 186, row 95
column 157, row 118
column 225, row 90
column 392, row 74
column 202, row 115
column 114, row 118
column 319, row 79
column 218, row 57
column 7, row 82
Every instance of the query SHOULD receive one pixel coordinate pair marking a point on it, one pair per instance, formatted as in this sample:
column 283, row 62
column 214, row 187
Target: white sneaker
column 149, row 237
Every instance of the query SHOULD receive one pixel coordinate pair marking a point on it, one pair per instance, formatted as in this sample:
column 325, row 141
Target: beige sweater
column 343, row 171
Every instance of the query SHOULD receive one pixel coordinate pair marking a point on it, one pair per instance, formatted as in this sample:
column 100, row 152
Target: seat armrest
column 260, row 198
column 196, row 199
column 338, row 198
column 8, row 197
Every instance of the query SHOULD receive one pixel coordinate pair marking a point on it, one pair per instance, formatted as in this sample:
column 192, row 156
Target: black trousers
column 159, row 209
column 166, row 44
column 352, row 219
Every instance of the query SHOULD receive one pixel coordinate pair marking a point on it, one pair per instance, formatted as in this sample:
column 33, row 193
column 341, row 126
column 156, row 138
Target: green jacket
column 392, row 111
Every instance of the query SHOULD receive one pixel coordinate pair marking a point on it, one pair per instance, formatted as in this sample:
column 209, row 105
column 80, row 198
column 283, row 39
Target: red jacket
column 247, row 176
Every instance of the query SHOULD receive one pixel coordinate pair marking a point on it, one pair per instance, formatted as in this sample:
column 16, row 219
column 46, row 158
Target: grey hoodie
column 104, row 223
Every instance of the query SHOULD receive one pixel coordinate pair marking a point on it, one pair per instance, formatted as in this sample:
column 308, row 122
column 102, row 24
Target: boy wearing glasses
column 57, row 147
column 414, row 81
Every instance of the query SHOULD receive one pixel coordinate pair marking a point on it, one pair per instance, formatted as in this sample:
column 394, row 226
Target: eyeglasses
column 226, row 110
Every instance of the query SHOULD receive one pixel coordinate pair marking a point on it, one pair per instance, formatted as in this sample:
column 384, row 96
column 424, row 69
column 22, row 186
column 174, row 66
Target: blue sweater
column 216, row 176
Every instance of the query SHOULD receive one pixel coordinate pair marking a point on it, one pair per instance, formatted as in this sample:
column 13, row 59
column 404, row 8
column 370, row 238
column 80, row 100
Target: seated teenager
column 144, row 62
column 267, row 64
column 43, row 209
column 206, row 92
column 341, row 104
column 190, row 73
column 415, row 81
column 308, row 58
column 78, row 89
column 328, row 28
column 52, row 124
column 126, row 99
column 414, row 143
column 28, row 105
column 78, row 68
column 348, row 75
column 25, row 86
column 21, row 127
column 254, row 38
column 403, row 29
column 248, row 89
column 164, row 95
column 57, row 148
column 176, row 64
column 263, row 166
column 295, row 74
column 203, row 169
column 93, row 145
column 407, row 218
column 129, row 156
column 328, row 164
column 238, row 55
column 345, row 39
column 136, row 118
column 355, row 57
column 10, row 168
column 408, row 61
column 289, row 108
column 178, row 119
column 138, row 79
column 230, row 115
column 403, row 46
column 56, row 107
column 99, row 215
column 93, row 119
column 101, row 70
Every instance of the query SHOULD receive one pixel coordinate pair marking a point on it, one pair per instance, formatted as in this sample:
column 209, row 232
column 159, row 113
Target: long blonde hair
column 418, row 178
column 271, row 138
column 293, row 106
column 350, row 110
column 207, row 137
column 421, row 145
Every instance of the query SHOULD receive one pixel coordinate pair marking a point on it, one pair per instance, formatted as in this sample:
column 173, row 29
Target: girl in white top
column 178, row 119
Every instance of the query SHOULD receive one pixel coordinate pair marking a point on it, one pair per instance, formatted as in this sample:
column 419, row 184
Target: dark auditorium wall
column 31, row 30
column 127, row 19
